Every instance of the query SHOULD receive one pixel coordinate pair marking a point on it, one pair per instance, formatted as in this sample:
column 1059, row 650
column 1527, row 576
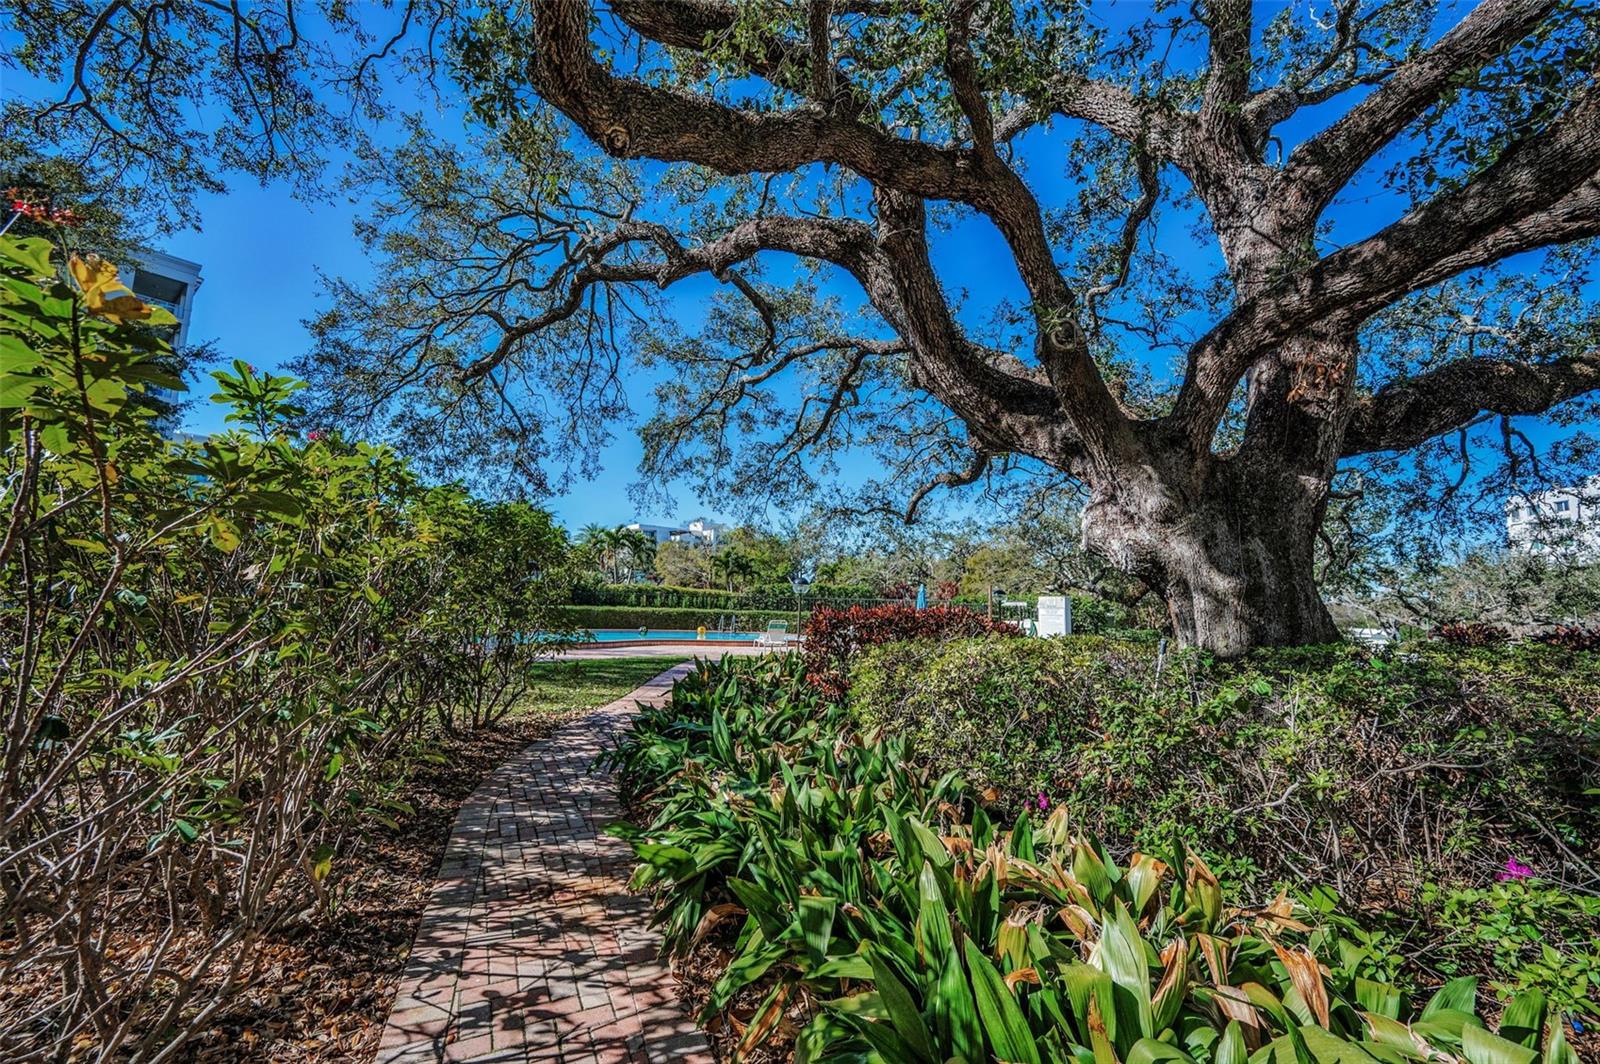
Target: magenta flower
column 1043, row 802
column 1515, row 870
column 314, row 435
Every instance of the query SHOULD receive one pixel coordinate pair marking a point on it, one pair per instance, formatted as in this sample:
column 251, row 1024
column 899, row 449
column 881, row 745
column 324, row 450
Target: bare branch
column 958, row 478
column 1539, row 191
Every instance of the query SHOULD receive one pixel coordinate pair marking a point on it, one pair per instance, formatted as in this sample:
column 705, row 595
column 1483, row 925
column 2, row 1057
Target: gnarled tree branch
column 1403, row 414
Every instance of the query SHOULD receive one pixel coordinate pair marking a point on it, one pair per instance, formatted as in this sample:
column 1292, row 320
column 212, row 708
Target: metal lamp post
column 799, row 583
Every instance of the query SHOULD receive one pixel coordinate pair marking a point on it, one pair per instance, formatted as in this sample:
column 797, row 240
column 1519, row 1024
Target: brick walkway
column 531, row 948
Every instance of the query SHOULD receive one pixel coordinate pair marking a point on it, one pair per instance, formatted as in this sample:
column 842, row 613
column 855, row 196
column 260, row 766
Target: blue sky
column 261, row 249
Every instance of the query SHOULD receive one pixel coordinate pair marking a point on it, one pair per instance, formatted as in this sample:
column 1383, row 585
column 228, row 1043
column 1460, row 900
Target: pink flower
column 1515, row 870
column 1043, row 802
column 314, row 435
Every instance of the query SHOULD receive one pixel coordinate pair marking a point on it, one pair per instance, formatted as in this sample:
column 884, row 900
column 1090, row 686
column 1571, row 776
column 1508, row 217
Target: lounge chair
column 776, row 635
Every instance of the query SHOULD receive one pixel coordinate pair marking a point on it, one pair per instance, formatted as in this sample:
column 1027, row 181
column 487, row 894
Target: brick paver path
column 531, row 948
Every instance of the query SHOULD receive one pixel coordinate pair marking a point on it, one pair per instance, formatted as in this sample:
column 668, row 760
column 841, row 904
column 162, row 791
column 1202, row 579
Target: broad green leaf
column 30, row 252
column 1122, row 955
column 816, row 926
column 1003, row 1021
column 16, row 390
column 1231, row 1050
column 15, row 355
column 1379, row 998
column 1461, row 995
column 1392, row 1033
column 56, row 439
column 1523, row 1020
column 1150, row 1051
column 1481, row 1047
column 1557, row 1051
column 903, row 1012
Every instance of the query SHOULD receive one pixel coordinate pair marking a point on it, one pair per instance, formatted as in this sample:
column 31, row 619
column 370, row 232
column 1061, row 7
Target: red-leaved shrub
column 1471, row 634
column 1570, row 637
column 834, row 637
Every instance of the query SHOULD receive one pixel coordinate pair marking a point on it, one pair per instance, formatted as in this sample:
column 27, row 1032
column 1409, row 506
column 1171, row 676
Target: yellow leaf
column 104, row 293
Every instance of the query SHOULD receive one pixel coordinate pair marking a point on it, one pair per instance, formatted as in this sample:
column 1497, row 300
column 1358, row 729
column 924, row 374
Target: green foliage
column 768, row 597
column 877, row 913
column 1539, row 936
column 1372, row 771
column 218, row 660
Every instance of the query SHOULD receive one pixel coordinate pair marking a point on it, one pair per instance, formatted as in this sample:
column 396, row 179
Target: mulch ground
column 324, row 992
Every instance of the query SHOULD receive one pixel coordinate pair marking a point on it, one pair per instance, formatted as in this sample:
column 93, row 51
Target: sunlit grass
column 567, row 686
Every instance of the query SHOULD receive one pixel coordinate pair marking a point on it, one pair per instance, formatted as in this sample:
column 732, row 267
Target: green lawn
column 562, row 687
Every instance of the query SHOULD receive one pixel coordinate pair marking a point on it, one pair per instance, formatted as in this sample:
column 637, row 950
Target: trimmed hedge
column 834, row 638
column 634, row 616
column 1373, row 771
column 772, row 597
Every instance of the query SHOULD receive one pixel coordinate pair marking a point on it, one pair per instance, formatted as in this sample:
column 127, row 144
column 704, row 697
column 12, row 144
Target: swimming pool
column 625, row 635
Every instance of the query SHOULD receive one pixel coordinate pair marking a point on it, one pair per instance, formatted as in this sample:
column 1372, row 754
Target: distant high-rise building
column 1559, row 521
column 170, row 282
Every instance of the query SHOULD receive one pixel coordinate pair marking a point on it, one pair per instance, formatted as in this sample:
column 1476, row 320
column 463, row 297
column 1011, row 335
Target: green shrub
column 1093, row 615
column 218, row 658
column 1370, row 772
column 685, row 619
column 769, row 597
column 1537, row 936
column 873, row 912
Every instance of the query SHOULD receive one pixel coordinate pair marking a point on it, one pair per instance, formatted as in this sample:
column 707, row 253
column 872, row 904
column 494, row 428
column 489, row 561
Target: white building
column 708, row 533
column 658, row 534
column 1562, row 520
column 167, row 281
column 697, row 533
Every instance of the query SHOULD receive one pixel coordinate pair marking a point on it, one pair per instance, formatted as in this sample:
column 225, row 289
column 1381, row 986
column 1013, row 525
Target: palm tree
column 611, row 544
column 638, row 547
column 732, row 563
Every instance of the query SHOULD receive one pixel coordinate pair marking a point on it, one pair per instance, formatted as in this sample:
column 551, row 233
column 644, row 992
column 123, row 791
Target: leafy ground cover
column 1370, row 772
column 853, row 905
column 1445, row 795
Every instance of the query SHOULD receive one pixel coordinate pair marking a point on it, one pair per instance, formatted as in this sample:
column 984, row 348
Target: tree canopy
column 1246, row 251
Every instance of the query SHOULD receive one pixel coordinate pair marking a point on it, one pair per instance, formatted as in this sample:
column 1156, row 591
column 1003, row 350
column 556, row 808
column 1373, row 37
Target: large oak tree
column 856, row 135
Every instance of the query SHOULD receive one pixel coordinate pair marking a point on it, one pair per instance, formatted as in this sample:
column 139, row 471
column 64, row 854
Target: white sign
column 1055, row 615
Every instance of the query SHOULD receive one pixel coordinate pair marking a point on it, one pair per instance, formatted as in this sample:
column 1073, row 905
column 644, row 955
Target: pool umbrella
column 922, row 596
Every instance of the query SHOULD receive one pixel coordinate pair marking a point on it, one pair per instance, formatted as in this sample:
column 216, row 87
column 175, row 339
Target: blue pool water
column 623, row 635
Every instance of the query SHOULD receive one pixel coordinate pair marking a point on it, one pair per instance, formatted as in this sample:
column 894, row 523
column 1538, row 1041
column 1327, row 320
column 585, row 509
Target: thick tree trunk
column 1233, row 555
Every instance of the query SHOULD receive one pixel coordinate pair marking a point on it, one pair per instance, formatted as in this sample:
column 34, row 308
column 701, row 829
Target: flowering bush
column 1452, row 762
column 834, row 637
column 1532, row 934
